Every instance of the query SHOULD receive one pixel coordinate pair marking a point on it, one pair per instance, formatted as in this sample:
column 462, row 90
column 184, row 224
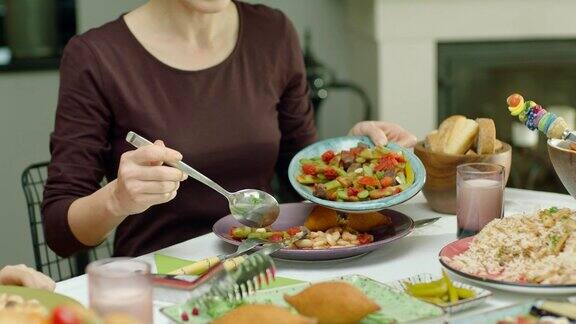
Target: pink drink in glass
column 121, row 286
column 480, row 196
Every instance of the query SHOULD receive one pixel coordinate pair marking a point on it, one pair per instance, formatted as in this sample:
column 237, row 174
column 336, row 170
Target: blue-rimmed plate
column 345, row 143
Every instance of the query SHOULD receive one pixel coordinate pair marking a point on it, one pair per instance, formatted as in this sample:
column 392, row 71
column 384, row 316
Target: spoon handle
column 139, row 141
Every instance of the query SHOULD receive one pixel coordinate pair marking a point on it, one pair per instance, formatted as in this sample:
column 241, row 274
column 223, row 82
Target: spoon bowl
column 254, row 208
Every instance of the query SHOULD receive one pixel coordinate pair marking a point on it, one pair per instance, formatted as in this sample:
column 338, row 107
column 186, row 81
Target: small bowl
column 450, row 308
column 440, row 187
column 345, row 143
column 564, row 162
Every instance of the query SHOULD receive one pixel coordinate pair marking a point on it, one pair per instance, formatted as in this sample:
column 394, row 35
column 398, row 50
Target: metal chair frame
column 48, row 262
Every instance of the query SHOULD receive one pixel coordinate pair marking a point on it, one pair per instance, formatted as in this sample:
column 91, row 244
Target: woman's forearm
column 143, row 181
column 93, row 217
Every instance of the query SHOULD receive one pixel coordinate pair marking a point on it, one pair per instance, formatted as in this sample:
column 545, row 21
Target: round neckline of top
column 221, row 64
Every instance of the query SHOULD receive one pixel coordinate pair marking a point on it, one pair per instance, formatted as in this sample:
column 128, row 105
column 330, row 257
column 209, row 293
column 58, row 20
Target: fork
column 234, row 285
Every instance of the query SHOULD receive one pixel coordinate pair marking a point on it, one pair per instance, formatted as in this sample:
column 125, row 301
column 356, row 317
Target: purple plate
column 296, row 213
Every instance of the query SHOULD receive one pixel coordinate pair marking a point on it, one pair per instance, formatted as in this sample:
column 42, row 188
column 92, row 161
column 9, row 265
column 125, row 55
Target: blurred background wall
column 28, row 102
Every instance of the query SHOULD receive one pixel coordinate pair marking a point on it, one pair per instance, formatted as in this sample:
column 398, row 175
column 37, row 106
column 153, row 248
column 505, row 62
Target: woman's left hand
column 382, row 132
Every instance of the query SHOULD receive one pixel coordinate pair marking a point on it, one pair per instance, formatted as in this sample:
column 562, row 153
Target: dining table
column 412, row 255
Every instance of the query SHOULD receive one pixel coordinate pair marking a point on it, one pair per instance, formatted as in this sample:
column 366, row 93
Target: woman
column 223, row 83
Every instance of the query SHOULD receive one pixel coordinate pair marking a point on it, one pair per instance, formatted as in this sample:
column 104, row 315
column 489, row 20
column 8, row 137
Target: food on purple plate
column 358, row 174
column 335, row 237
column 264, row 233
column 328, row 229
column 322, row 219
column 537, row 248
column 333, row 302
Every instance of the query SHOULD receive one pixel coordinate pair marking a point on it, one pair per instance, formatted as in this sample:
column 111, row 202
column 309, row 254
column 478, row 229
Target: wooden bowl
column 564, row 162
column 440, row 186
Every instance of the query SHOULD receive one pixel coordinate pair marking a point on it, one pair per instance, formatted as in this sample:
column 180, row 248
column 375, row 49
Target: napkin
column 165, row 264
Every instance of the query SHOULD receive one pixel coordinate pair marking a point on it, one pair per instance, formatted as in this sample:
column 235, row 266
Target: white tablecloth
column 417, row 253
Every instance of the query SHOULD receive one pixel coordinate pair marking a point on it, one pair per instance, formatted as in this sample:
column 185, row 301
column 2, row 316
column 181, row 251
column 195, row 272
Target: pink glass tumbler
column 480, row 196
column 121, row 286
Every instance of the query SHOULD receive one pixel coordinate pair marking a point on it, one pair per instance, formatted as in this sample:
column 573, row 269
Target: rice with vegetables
column 538, row 248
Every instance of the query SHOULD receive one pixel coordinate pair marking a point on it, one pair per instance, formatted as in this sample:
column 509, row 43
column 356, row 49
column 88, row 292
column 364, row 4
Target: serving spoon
column 251, row 207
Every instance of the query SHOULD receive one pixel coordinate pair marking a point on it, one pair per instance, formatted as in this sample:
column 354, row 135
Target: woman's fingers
column 155, row 187
column 155, row 199
column 143, row 181
column 157, row 173
column 381, row 132
column 159, row 143
column 156, row 153
column 371, row 129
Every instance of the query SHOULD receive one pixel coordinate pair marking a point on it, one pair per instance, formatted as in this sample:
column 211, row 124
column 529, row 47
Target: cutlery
column 270, row 248
column 217, row 283
column 234, row 285
column 251, row 207
column 425, row 221
column 232, row 259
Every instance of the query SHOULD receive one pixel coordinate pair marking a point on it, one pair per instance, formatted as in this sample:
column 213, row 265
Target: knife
column 425, row 221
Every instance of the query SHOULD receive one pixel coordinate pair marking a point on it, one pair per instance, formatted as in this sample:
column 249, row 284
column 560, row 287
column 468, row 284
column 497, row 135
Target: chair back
column 58, row 268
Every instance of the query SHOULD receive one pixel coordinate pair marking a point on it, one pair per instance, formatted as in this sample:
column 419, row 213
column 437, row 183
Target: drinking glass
column 121, row 286
column 480, row 196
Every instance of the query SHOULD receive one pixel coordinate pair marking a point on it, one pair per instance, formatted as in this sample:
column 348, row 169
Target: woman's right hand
column 143, row 180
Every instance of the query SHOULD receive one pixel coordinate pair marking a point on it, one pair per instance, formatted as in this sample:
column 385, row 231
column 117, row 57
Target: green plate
column 47, row 298
column 395, row 307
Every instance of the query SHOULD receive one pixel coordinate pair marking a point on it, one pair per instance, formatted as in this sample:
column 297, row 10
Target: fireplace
column 474, row 79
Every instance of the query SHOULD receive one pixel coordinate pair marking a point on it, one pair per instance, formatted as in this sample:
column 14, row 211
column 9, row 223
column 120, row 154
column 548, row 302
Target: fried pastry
column 322, row 219
column 334, row 302
column 365, row 222
column 260, row 313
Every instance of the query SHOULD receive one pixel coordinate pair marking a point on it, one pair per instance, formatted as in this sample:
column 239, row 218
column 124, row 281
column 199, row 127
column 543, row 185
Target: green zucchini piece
column 366, row 154
column 363, row 194
column 342, row 194
column 368, row 171
column 331, row 185
column 305, row 179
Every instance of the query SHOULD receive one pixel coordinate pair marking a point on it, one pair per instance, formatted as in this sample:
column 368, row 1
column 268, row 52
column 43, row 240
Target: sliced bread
column 461, row 136
column 498, row 146
column 445, row 129
column 434, row 142
column 486, row 140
